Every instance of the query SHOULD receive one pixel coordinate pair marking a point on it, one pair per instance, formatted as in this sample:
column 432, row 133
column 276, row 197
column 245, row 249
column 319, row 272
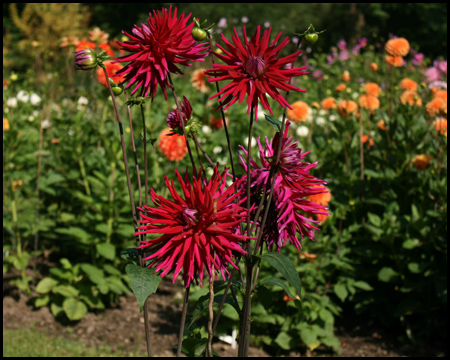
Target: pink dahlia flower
column 198, row 229
column 255, row 70
column 173, row 119
column 157, row 47
column 290, row 212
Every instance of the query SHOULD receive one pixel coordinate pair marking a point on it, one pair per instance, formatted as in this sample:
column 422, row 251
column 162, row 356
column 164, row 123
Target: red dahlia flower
column 254, row 70
column 290, row 211
column 156, row 48
column 201, row 228
column 173, row 119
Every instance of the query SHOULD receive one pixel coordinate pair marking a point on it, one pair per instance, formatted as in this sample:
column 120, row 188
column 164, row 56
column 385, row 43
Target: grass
column 30, row 342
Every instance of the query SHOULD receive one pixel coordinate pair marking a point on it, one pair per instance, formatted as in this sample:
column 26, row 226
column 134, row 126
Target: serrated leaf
column 143, row 282
column 74, row 309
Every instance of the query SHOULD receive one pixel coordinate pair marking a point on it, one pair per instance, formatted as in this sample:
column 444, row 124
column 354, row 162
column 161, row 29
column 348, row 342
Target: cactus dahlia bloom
column 290, row 211
column 255, row 70
column 198, row 229
column 156, row 48
column 173, row 119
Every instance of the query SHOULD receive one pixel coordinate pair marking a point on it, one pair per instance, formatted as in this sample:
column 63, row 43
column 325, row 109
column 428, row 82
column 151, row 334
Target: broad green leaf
column 363, row 285
column 65, row 263
column 92, row 270
column 130, row 255
column 111, row 270
column 411, row 244
column 56, row 309
column 308, row 336
column 387, row 274
column 107, row 250
column 143, row 282
column 275, row 123
column 278, row 282
column 374, row 219
column 65, row 290
column 42, row 301
column 46, row 285
column 341, row 291
column 194, row 347
column 285, row 267
column 284, row 340
column 74, row 309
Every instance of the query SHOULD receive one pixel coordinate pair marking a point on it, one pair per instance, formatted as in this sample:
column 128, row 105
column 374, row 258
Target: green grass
column 30, row 342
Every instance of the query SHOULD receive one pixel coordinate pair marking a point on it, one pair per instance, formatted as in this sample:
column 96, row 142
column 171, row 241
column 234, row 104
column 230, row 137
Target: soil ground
column 123, row 327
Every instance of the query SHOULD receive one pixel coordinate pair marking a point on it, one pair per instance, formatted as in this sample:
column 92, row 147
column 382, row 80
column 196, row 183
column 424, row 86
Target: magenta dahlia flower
column 198, row 229
column 254, row 70
column 290, row 212
column 157, row 47
column 173, row 119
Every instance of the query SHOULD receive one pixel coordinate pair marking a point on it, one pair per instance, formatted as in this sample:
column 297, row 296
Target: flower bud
column 85, row 59
column 198, row 33
column 117, row 90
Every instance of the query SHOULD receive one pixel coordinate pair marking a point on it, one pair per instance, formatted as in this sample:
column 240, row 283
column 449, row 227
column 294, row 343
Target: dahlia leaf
column 285, row 267
column 278, row 282
column 275, row 123
column 74, row 309
column 107, row 250
column 143, row 282
column 130, row 255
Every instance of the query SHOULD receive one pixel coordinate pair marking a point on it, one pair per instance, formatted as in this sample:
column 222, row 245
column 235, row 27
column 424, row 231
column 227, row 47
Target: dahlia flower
column 369, row 102
column 299, row 113
column 328, row 103
column 198, row 81
column 173, row 119
column 173, row 147
column 410, row 97
column 421, row 161
column 397, row 47
column 156, row 48
column 198, row 228
column 441, row 125
column 347, row 107
column 290, row 211
column 255, row 70
column 372, row 89
column 408, row 84
column 111, row 70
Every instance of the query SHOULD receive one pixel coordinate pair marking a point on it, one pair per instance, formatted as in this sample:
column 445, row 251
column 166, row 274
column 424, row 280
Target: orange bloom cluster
column 341, row 87
column 421, row 161
column 395, row 61
column 436, row 106
column 411, row 97
column 111, row 70
column 198, row 80
column 299, row 113
column 397, row 47
column 369, row 102
column 441, row 125
column 381, row 125
column 345, row 76
column 347, row 107
column 373, row 66
column 328, row 103
column 365, row 138
column 321, row 199
column 5, row 124
column 442, row 94
column 372, row 89
column 173, row 147
column 217, row 123
column 408, row 84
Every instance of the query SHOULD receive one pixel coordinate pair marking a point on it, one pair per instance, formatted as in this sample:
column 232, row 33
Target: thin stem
column 182, row 124
column 197, row 143
column 211, row 315
column 145, row 156
column 183, row 320
column 361, row 146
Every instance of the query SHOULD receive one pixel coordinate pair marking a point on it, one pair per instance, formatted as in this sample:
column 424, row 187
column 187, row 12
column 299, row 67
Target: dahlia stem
column 183, row 320
column 361, row 146
column 211, row 315
column 133, row 207
column 145, row 157
column 182, row 124
column 223, row 114
column 197, row 143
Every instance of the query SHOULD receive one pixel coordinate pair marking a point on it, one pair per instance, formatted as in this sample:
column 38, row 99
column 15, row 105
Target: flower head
column 255, row 70
column 372, row 89
column 328, row 103
column 408, row 84
column 421, row 161
column 299, row 113
column 369, row 102
column 397, row 47
column 395, row 61
column 441, row 125
column 381, row 125
column 85, row 59
column 198, row 81
column 111, row 70
column 347, row 107
column 373, row 66
column 411, row 97
column 173, row 147
column 436, row 106
column 340, row 87
column 173, row 119
column 322, row 199
column 199, row 228
column 156, row 48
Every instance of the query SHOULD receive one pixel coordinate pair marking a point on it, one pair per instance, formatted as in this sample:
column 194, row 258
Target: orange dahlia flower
column 217, row 123
column 373, row 66
column 436, row 106
column 381, row 125
column 408, row 84
column 198, row 80
column 341, row 87
column 173, row 147
column 441, row 125
column 369, row 102
column 365, row 138
column 372, row 89
column 397, row 47
column 345, row 76
column 299, row 113
column 421, row 161
column 395, row 61
column 321, row 199
column 411, row 97
column 111, row 70
column 328, row 103
column 5, row 124
column 347, row 107
column 442, row 94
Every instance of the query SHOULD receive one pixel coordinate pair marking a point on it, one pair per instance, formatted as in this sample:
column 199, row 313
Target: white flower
column 35, row 99
column 332, row 117
column 267, row 24
column 217, row 150
column 302, row 131
column 260, row 113
column 355, row 95
column 323, row 112
column 83, row 101
column 222, row 22
column 222, row 161
column 206, row 129
column 23, row 96
column 35, row 113
column 71, row 132
column 30, row 118
column 372, row 133
column 320, row 121
column 244, row 19
column 12, row 102
column 209, row 171
column 253, row 141
column 46, row 124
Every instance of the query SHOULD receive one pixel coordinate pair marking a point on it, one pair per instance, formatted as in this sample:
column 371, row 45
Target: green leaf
column 107, row 250
column 411, row 244
column 284, row 340
column 308, row 336
column 42, row 301
column 363, row 285
column 374, row 219
column 74, row 309
column 275, row 123
column 56, row 309
column 46, row 285
column 143, row 282
column 65, row 290
column 341, row 291
column 194, row 347
column 278, row 282
column 285, row 267
column 387, row 274
column 130, row 255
